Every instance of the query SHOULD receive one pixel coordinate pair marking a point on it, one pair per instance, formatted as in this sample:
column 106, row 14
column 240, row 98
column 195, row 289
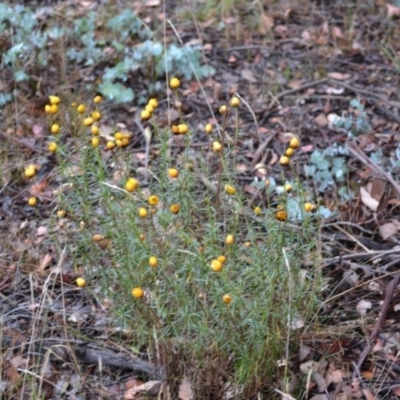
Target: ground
column 325, row 72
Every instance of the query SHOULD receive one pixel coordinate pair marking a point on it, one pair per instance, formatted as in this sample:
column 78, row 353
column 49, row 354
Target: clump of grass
column 213, row 289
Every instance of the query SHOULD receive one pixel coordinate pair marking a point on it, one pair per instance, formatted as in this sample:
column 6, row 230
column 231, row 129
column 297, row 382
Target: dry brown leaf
column 267, row 22
column 320, row 397
column 368, row 394
column 44, row 264
column 339, row 76
column 337, row 32
column 248, row 75
column 185, row 390
column 294, row 83
column 321, row 120
column 389, row 229
column 150, row 389
column 368, row 200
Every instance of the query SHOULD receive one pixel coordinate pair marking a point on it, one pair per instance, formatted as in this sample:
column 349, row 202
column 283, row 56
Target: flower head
column 80, row 282
column 131, row 185
column 32, row 201
column 153, row 200
column 174, row 83
column 137, row 293
column 216, row 265
column 175, row 208
column 230, row 189
column 227, row 298
column 235, row 101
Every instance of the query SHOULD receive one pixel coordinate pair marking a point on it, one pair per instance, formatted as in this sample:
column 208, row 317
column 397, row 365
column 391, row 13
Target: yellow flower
column 52, row 147
column 47, row 108
column 96, row 115
column 54, row 100
column 30, row 171
column 149, row 108
column 227, row 298
column 183, row 129
column 145, row 115
column 222, row 109
column 174, row 83
column 235, row 101
column 153, row 200
column 294, row 143
column 208, row 129
column 217, row 147
column 281, row 215
column 137, row 292
column 216, row 265
column 153, row 102
column 32, row 201
column 81, row 108
column 142, row 237
column 173, row 172
column 61, row 213
column 142, row 212
column 95, row 130
column 55, row 128
column 97, row 99
column 289, row 152
column 153, row 262
column 174, row 208
column 308, row 207
column 230, row 189
column 284, row 160
column 88, row 121
column 118, row 135
column 288, row 188
column 110, row 145
column 95, row 142
column 222, row 259
column 175, row 129
column 118, row 142
column 257, row 210
column 131, row 185
column 80, row 282
column 53, row 109
column 247, row 245
column 230, row 239
column 125, row 141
